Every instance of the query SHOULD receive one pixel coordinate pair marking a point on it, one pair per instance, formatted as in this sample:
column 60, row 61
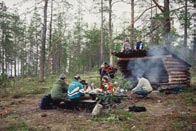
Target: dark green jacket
column 59, row 90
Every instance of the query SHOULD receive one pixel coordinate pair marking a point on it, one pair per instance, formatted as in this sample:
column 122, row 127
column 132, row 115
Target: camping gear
column 97, row 109
column 137, row 108
column 46, row 102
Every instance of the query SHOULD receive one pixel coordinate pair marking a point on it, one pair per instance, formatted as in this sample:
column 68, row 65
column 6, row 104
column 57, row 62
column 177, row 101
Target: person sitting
column 85, row 86
column 106, row 85
column 76, row 90
column 139, row 44
column 108, row 70
column 103, row 69
column 59, row 89
column 126, row 46
column 143, row 87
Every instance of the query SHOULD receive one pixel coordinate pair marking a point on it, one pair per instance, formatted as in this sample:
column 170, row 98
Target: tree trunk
column 166, row 22
column 3, row 61
column 185, row 34
column 37, row 53
column 42, row 60
column 167, row 25
column 3, row 53
column 101, row 44
column 132, row 25
column 110, row 31
column 15, row 43
column 194, row 38
column 50, row 40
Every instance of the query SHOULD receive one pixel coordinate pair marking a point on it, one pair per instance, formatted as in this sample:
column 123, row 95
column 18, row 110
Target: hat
column 77, row 77
column 126, row 39
column 62, row 76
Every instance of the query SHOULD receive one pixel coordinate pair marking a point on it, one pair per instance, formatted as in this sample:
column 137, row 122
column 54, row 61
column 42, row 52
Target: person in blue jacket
column 76, row 90
column 139, row 44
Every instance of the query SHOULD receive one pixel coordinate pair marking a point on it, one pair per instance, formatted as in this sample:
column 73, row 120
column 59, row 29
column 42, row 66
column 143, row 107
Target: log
column 178, row 76
column 172, row 60
column 178, row 73
column 178, row 82
column 178, row 79
column 175, row 66
column 141, row 58
column 174, row 83
column 177, row 69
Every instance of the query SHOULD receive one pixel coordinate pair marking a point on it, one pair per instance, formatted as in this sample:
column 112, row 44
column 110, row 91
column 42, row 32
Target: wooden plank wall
column 178, row 73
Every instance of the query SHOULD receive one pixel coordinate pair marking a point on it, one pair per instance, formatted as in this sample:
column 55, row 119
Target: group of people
column 139, row 45
column 76, row 90
column 62, row 90
column 143, row 87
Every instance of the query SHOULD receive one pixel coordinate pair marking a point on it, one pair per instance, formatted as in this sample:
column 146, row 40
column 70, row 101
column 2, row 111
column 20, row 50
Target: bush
column 4, row 80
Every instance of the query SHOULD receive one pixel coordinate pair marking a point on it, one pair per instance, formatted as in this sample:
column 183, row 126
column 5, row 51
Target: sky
column 121, row 10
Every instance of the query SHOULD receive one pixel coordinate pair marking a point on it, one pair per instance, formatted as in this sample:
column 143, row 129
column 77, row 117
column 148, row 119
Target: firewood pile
column 178, row 71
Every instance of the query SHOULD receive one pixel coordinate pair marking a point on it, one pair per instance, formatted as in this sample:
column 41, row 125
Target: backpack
column 46, row 102
column 137, row 108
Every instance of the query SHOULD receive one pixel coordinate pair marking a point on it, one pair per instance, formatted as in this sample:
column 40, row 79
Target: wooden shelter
column 161, row 67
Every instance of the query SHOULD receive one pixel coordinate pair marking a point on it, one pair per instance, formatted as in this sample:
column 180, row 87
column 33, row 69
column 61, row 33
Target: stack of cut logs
column 178, row 71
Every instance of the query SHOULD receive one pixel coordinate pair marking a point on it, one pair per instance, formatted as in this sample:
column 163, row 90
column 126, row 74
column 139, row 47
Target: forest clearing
column 19, row 111
column 153, row 41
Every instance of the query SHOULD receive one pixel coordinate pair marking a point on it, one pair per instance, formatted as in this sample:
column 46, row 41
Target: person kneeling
column 143, row 87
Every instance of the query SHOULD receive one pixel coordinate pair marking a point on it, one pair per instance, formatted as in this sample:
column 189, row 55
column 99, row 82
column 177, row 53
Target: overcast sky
column 121, row 10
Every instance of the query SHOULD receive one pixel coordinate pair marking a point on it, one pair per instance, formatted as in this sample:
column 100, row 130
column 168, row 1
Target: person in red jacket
column 106, row 85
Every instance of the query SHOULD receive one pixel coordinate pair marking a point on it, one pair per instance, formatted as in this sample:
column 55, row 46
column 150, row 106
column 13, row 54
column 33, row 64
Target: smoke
column 149, row 67
column 157, row 51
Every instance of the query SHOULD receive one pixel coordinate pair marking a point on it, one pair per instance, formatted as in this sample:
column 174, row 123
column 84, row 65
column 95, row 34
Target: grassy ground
column 19, row 110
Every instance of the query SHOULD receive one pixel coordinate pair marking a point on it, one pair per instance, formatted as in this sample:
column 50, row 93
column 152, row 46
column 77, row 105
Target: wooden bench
column 87, row 105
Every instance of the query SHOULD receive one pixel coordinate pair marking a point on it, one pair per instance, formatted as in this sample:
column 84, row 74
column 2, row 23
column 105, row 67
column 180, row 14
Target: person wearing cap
column 75, row 89
column 139, row 44
column 126, row 46
column 143, row 87
column 59, row 89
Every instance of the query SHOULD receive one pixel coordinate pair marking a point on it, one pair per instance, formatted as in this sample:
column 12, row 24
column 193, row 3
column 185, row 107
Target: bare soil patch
column 164, row 113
